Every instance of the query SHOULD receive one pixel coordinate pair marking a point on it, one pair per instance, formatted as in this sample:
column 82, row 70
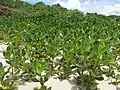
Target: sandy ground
column 55, row 83
column 64, row 85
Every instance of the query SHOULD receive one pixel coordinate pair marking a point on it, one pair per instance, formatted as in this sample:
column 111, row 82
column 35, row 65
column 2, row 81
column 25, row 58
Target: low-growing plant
column 8, row 79
column 53, row 41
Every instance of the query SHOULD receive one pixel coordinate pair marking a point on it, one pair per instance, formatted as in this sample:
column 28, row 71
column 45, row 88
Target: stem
column 96, row 64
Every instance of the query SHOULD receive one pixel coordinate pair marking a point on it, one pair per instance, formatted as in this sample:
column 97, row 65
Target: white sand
column 64, row 85
column 55, row 83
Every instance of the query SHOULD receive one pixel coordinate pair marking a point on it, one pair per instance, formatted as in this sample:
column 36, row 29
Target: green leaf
column 100, row 78
column 6, row 54
column 68, row 57
column 43, row 88
column 1, row 68
column 38, row 66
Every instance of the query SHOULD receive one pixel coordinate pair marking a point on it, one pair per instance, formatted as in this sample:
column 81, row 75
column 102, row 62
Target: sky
column 106, row 7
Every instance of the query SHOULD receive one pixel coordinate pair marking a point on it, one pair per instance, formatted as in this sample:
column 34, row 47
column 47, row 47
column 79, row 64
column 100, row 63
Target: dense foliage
column 58, row 42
